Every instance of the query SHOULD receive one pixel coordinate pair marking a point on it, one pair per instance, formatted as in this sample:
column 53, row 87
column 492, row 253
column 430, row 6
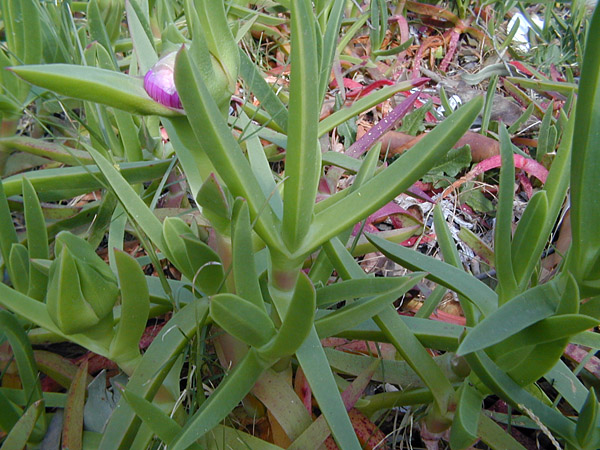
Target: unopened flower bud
column 82, row 289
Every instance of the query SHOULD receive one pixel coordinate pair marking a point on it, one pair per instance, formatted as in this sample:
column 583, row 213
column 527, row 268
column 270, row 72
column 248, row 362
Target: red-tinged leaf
column 279, row 436
column 369, row 435
column 319, row 431
column 149, row 335
column 73, row 419
column 578, row 354
column 443, row 316
column 56, row 367
column 530, row 166
column 555, row 75
column 96, row 362
column 417, row 191
column 454, row 36
column 302, row 389
column 387, row 351
column 521, row 68
column 525, row 184
column 400, row 218
column 380, row 128
column 376, row 84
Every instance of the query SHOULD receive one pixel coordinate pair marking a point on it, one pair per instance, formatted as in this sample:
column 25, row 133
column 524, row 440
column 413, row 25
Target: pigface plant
column 256, row 270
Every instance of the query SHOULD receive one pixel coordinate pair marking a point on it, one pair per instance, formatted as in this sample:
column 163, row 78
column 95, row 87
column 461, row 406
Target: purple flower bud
column 159, row 82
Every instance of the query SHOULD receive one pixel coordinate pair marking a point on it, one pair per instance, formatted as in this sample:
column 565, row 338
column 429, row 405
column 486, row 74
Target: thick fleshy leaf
column 263, row 92
column 522, row 311
column 584, row 258
column 314, row 364
column 216, row 140
column 458, row 280
column 399, row 176
column 303, row 155
column 500, row 383
column 72, row 436
column 588, row 424
column 244, row 267
column 21, row 433
column 58, row 184
column 102, row 86
column 135, row 305
column 297, row 322
column 164, row 426
column 23, row 355
column 37, row 239
column 242, row 319
column 507, row 283
column 360, row 310
column 466, row 418
column 356, row 288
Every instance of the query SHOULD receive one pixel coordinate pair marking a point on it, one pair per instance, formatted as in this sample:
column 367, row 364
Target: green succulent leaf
column 22, row 431
column 135, row 306
column 360, row 310
column 102, row 86
column 456, row 279
column 588, row 424
column 297, row 322
column 242, row 319
column 82, row 290
column 18, row 267
column 466, row 418
column 244, row 267
column 584, row 258
column 522, row 311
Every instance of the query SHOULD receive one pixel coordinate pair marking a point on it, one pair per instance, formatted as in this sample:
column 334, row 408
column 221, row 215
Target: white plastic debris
column 522, row 34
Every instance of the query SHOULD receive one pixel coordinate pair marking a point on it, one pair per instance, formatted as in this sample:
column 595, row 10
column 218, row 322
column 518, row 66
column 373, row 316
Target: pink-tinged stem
column 452, row 45
column 381, row 127
column 530, row 166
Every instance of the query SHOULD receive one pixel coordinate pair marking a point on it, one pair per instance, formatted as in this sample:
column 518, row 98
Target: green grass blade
column 131, row 201
column 263, row 92
column 230, row 392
